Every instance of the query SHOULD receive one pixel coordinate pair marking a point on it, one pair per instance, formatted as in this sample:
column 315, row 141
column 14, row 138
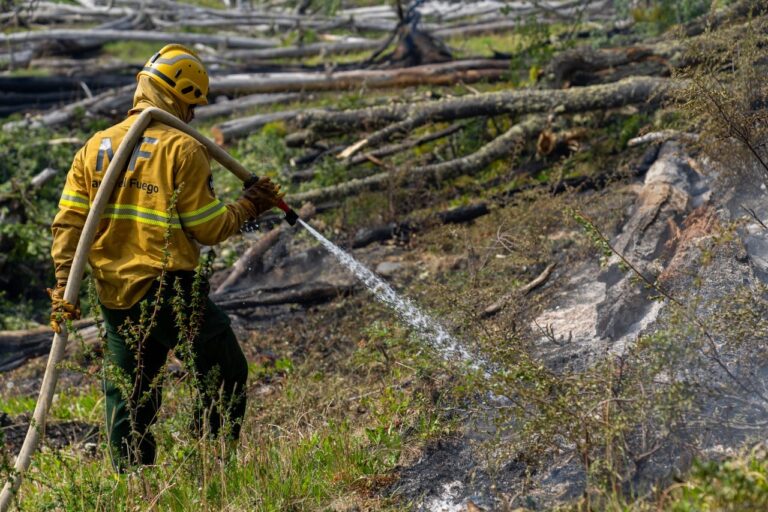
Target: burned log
column 586, row 66
column 366, row 236
column 97, row 104
column 302, row 294
column 463, row 213
column 16, row 347
column 413, row 47
column 51, row 84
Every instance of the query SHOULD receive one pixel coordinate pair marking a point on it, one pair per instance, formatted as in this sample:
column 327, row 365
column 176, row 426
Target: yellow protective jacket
column 128, row 251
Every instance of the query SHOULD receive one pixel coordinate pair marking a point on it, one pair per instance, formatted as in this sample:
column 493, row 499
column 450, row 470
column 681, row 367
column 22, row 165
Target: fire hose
column 72, row 290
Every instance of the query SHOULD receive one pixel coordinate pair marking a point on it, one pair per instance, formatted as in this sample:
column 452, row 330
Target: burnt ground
column 58, row 435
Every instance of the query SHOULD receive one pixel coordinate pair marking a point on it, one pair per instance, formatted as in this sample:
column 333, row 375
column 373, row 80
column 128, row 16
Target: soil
column 58, row 435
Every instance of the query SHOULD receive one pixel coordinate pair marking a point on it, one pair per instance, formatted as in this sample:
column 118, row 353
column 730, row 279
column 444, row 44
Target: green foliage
column 658, row 15
column 132, row 51
column 533, row 51
column 263, row 153
column 726, row 100
column 736, row 484
column 26, row 213
column 329, row 171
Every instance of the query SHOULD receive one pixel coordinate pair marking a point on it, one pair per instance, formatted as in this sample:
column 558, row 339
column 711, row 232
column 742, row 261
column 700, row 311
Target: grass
column 131, row 51
column 320, row 434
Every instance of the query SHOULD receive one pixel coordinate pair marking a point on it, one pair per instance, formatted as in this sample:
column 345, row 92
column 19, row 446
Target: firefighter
column 163, row 208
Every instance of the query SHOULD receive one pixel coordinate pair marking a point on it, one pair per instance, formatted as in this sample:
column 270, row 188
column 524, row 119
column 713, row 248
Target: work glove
column 61, row 310
column 262, row 194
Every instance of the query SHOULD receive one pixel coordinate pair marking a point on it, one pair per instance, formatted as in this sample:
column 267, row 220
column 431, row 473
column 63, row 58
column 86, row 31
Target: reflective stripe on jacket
column 166, row 189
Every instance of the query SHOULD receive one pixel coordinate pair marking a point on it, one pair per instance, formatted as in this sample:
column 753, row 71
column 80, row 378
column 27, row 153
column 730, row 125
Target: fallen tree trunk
column 572, row 66
column 53, row 84
column 431, row 74
column 524, row 101
column 230, row 130
column 16, row 347
column 105, row 36
column 305, row 293
column 65, row 114
column 500, row 147
column 254, row 100
column 408, row 117
column 308, row 50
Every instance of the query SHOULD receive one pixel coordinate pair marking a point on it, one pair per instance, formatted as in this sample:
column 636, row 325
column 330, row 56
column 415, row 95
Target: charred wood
column 463, row 213
column 304, row 294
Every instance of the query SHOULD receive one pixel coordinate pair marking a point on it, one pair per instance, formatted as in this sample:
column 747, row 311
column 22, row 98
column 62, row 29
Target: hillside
column 573, row 194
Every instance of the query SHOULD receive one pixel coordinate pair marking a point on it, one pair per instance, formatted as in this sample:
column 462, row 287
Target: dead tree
column 413, row 47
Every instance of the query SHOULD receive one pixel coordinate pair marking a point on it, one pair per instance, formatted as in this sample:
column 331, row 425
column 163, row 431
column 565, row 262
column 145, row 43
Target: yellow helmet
column 179, row 69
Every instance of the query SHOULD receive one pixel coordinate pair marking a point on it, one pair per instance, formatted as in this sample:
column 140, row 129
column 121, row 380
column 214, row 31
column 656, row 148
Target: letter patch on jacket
column 105, row 149
column 137, row 152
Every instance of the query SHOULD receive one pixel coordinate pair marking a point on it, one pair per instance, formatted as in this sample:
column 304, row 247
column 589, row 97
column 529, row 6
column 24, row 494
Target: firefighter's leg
column 222, row 371
column 133, row 391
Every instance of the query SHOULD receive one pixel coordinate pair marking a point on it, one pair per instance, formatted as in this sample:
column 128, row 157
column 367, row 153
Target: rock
column 471, row 507
column 388, row 268
column 648, row 239
column 366, row 236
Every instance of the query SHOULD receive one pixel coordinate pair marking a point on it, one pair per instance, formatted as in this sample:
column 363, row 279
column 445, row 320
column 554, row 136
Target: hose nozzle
column 290, row 216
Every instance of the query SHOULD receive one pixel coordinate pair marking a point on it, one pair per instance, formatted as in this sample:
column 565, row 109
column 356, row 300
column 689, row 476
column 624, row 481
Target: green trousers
column 134, row 372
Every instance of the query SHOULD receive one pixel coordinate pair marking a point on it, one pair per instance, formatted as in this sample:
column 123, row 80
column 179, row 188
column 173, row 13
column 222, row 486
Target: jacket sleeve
column 207, row 219
column 68, row 222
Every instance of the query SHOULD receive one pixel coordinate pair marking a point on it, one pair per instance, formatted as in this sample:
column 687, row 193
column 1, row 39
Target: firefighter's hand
column 61, row 310
column 263, row 194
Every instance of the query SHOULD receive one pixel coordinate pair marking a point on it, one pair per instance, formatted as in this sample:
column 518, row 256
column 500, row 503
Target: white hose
column 72, row 290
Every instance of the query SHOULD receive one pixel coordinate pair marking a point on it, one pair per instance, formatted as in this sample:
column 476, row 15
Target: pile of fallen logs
column 246, row 48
